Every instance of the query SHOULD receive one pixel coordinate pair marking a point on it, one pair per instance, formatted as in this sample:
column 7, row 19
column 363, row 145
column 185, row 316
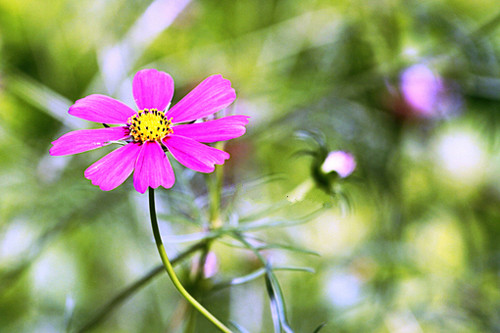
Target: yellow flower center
column 149, row 125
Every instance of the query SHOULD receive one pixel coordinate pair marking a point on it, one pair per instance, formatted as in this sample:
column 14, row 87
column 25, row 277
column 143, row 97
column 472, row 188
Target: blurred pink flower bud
column 339, row 161
column 211, row 266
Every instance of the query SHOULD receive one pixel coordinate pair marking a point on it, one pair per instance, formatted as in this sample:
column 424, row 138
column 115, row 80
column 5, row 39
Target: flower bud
column 339, row 161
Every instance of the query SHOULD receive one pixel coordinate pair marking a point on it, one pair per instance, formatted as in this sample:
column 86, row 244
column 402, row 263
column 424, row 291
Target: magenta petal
column 216, row 130
column 211, row 95
column 193, row 154
column 114, row 168
column 152, row 89
column 101, row 109
column 152, row 168
column 84, row 140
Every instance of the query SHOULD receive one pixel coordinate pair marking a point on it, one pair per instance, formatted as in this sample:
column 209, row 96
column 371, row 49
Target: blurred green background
column 411, row 88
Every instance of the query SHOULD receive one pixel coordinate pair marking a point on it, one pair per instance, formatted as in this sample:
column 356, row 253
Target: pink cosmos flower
column 147, row 133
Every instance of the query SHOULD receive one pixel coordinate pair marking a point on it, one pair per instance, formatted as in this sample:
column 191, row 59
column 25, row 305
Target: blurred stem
column 170, row 270
column 190, row 327
column 488, row 26
column 299, row 192
column 215, row 187
column 214, row 184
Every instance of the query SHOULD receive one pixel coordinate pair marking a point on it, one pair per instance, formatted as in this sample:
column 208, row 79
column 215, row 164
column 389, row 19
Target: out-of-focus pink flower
column 341, row 162
column 152, row 129
column 426, row 93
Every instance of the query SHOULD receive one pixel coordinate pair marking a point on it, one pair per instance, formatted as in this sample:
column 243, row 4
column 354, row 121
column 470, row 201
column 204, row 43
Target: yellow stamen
column 149, row 125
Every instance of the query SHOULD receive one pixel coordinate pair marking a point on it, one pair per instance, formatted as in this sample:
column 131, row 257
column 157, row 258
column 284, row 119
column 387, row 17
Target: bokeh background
column 411, row 88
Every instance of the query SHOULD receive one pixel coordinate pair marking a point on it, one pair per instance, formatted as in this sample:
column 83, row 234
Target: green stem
column 170, row 270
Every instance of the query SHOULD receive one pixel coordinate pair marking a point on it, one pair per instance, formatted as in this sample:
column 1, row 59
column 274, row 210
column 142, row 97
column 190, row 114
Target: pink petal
column 211, row 95
column 84, row 140
column 152, row 168
column 101, row 109
column 193, row 154
column 114, row 168
column 216, row 130
column 152, row 89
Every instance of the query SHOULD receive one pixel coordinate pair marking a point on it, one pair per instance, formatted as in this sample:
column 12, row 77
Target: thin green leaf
column 276, row 298
column 247, row 186
column 197, row 236
column 251, row 184
column 281, row 223
column 231, row 244
column 177, row 219
column 313, row 135
column 320, row 327
column 43, row 98
column 257, row 274
column 247, row 278
column 229, row 192
column 274, row 306
column 271, row 209
column 238, row 327
column 305, row 152
column 184, row 203
column 265, row 245
column 294, row 269
column 288, row 248
column 273, row 288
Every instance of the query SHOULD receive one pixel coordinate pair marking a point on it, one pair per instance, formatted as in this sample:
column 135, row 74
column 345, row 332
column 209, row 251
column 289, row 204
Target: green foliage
column 410, row 241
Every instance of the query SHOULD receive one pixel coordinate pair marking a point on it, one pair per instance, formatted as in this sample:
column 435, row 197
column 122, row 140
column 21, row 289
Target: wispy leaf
column 274, row 306
column 278, row 310
column 197, row 236
column 177, row 218
column 184, row 203
column 43, row 98
column 276, row 299
column 257, row 274
column 238, row 327
column 281, row 223
column 288, row 248
column 294, row 269
column 271, row 209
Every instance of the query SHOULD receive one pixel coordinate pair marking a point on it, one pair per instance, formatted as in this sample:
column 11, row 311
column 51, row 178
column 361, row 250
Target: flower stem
column 170, row 270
